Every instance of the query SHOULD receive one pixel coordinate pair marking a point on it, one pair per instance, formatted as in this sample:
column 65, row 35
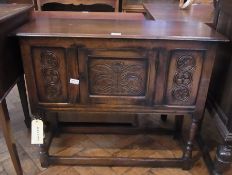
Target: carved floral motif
column 182, row 80
column 186, row 62
column 181, row 93
column 118, row 78
column 49, row 68
column 49, row 59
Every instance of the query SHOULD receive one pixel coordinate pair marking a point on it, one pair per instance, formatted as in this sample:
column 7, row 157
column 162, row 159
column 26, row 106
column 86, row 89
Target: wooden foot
column 188, row 150
column 223, row 158
column 23, row 97
column 44, row 148
column 178, row 126
column 44, row 155
column 5, row 122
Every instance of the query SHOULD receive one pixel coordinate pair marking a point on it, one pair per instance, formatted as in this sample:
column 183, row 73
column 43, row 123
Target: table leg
column 44, row 148
column 188, row 150
column 5, row 121
column 44, row 156
column 23, row 97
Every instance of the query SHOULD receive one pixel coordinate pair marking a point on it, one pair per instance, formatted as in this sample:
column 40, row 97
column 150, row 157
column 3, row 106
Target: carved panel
column 50, row 74
column 184, row 75
column 49, row 69
column 182, row 81
column 117, row 77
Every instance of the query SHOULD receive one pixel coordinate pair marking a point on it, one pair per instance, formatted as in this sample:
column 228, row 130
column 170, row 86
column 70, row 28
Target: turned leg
column 44, row 155
column 164, row 117
column 223, row 158
column 52, row 129
column 5, row 122
column 178, row 126
column 23, row 97
column 188, row 150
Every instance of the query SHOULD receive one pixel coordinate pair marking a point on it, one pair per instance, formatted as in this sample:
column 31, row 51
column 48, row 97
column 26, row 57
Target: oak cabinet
column 118, row 67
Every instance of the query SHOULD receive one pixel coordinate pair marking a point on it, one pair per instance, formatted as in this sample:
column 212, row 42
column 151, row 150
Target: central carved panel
column 117, row 77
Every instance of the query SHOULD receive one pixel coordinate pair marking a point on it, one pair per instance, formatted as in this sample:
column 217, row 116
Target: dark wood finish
column 129, row 29
column 151, row 67
column 196, row 12
column 11, row 71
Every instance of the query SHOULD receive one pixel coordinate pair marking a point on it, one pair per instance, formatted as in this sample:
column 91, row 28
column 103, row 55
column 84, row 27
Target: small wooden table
column 171, row 12
column 11, row 71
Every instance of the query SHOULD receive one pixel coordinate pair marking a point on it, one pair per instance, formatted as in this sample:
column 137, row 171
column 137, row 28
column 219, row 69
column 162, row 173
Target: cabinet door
column 53, row 67
column 117, row 76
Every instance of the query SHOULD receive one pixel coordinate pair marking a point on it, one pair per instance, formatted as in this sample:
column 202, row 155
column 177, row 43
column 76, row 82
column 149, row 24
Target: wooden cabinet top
column 197, row 12
column 140, row 29
column 10, row 10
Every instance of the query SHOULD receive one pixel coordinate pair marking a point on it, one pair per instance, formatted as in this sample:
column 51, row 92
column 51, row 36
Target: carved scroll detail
column 49, row 68
column 118, row 78
column 182, row 81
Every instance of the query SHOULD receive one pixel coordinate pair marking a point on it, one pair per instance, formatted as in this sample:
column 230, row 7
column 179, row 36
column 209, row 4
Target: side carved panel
column 49, row 69
column 184, row 76
column 182, row 81
column 50, row 74
column 117, row 77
